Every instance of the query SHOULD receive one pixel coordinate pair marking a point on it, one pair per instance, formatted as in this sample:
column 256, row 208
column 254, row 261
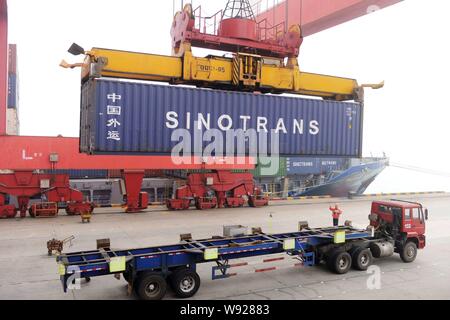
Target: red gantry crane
column 3, row 64
column 24, row 156
column 318, row 15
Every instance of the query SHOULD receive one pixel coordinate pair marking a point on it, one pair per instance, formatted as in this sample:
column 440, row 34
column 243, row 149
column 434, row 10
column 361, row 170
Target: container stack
column 12, row 115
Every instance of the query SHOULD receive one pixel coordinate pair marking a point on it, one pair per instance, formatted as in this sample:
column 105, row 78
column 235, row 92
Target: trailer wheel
column 409, row 252
column 339, row 262
column 362, row 259
column 151, row 286
column 185, row 283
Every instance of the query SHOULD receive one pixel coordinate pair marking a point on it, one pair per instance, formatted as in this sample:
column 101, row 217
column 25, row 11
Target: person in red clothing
column 336, row 213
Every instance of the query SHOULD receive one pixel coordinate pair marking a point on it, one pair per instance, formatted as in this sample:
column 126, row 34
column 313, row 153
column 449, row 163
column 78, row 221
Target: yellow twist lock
column 211, row 254
column 289, row 244
column 61, row 269
column 339, row 237
column 117, row 264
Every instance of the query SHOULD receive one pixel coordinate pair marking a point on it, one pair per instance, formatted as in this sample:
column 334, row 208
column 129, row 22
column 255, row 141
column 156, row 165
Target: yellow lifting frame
column 216, row 72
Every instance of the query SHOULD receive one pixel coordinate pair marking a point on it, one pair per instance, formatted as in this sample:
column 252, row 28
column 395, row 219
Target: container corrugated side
column 308, row 165
column 117, row 174
column 81, row 174
column 265, row 165
column 12, row 59
column 12, row 122
column 12, row 91
column 119, row 117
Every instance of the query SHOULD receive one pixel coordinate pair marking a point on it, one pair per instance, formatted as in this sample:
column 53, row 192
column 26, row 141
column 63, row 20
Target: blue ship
column 355, row 180
column 324, row 177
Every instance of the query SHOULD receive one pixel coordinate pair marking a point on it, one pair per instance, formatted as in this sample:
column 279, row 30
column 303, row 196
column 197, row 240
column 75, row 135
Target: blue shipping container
column 81, row 174
column 119, row 117
column 12, row 91
column 305, row 165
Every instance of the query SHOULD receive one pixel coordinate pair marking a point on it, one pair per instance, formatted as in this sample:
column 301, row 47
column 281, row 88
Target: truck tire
column 362, row 259
column 339, row 262
column 185, row 283
column 151, row 286
column 408, row 252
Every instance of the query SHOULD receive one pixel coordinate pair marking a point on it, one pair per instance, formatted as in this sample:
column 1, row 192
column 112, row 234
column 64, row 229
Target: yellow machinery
column 260, row 63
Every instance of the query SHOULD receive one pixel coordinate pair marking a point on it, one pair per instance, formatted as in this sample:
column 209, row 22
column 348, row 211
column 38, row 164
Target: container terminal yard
column 426, row 278
column 191, row 173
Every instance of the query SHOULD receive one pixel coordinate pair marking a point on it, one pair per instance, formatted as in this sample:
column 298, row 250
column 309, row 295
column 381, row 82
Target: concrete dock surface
column 27, row 272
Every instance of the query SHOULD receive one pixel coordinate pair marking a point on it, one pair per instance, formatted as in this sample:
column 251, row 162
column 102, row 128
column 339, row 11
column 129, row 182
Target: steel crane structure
column 264, row 58
column 3, row 64
column 315, row 16
column 261, row 68
column 28, row 154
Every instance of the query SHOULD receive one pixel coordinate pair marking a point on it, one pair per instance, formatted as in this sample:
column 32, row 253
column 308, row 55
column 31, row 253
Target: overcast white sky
column 406, row 45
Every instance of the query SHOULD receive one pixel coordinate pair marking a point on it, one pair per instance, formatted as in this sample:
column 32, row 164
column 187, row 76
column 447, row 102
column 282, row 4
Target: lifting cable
column 419, row 169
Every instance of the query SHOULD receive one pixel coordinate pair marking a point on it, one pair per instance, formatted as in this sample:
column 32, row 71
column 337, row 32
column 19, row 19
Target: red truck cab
column 404, row 220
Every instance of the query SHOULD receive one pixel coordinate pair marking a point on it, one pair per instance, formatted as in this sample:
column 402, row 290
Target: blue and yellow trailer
column 149, row 270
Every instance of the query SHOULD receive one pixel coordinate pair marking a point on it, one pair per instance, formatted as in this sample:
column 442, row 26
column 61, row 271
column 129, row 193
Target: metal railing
column 207, row 25
column 267, row 32
column 210, row 25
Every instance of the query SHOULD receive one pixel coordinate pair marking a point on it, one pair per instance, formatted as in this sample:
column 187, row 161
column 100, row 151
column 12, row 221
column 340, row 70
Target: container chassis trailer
column 149, row 271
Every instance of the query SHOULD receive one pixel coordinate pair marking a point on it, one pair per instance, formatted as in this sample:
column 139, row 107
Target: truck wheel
column 362, row 259
column 185, row 283
column 339, row 262
column 409, row 252
column 151, row 286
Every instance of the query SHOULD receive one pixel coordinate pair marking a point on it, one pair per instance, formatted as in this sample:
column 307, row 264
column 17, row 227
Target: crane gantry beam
column 43, row 153
column 318, row 15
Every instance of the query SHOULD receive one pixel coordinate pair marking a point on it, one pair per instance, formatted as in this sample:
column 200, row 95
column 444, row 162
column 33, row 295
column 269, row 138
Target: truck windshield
column 392, row 210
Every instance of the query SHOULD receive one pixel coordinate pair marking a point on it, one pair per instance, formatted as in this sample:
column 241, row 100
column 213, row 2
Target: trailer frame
column 165, row 261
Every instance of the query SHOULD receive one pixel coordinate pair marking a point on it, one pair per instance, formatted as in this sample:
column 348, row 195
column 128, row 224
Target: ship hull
column 354, row 180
